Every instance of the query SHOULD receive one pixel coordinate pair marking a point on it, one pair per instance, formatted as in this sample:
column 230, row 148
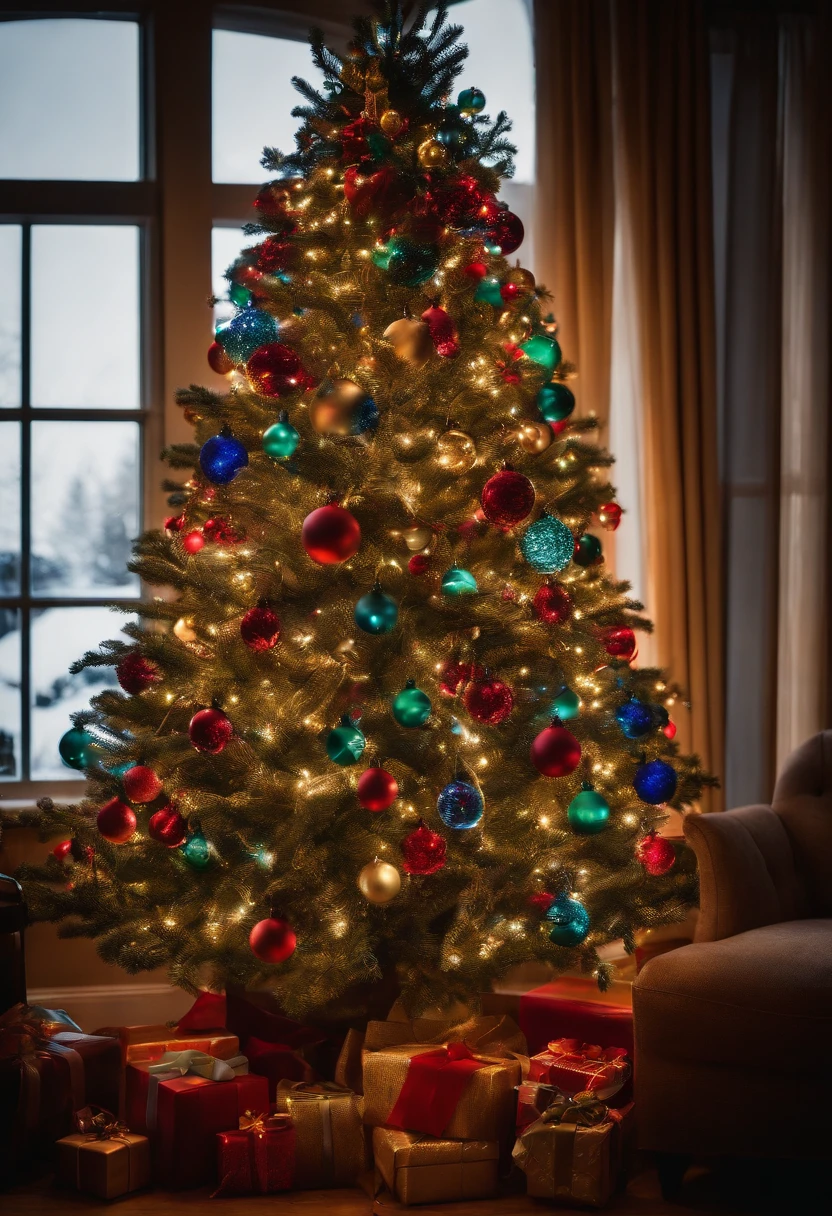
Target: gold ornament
column 456, row 452
column 524, row 278
column 182, row 630
column 391, row 122
column 410, row 340
column 432, row 154
column 379, row 882
column 333, row 409
column 534, row 437
column 417, row 537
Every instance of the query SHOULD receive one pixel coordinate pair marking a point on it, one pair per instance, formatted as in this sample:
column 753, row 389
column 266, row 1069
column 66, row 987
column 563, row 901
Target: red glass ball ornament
column 609, row 516
column 220, row 532
column 669, row 729
column 656, row 854
column 419, row 563
column 423, row 850
column 260, row 628
column 510, row 292
column 541, row 901
column 556, row 752
column 331, row 535
column 218, row 360
column 210, row 730
column 116, row 821
column 174, row 523
column 273, row 940
column 489, row 701
column 275, row 370
column 141, row 784
column 476, row 270
column 62, row 850
column 619, row 641
column 274, row 255
column 168, row 827
column 135, row 673
column 377, row 789
column 193, row 542
column 552, row 604
column 507, row 498
column 506, row 230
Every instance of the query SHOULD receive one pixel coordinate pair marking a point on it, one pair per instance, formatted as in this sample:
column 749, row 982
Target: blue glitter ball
column 460, row 805
column 222, row 457
column 635, row 718
column 655, row 782
column 570, row 921
column 548, row 545
column 243, row 334
column 366, row 416
column 376, row 612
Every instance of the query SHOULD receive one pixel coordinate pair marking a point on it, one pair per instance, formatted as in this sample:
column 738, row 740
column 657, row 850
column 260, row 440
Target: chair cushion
column 803, row 800
column 764, row 996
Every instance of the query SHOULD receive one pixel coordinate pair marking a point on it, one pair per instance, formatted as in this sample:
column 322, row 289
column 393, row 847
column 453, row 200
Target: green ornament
column 471, row 101
column 588, row 813
column 488, row 292
column 410, row 263
column 587, row 550
column 378, row 144
column 555, row 401
column 548, row 545
column 457, row 581
column 411, row 707
column 196, row 851
column 454, row 133
column 345, row 743
column 376, row 612
column 542, row 349
column 239, row 295
column 381, row 256
column 281, row 439
column 77, row 749
column 567, row 704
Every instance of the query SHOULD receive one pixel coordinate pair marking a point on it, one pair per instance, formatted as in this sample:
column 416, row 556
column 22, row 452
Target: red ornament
column 354, row 146
column 463, row 203
column 135, row 673
column 510, row 292
column 669, row 729
column 210, row 730
column 455, row 673
column 62, row 850
column 619, row 641
column 193, row 542
column 218, row 360
column 476, row 270
column 141, row 784
column 419, row 563
column 174, row 523
column 377, row 789
column 273, row 201
column 423, row 850
column 331, row 535
column 168, row 827
column 260, row 628
column 272, row 940
column 442, row 331
column 380, row 193
column 116, row 821
column 221, row 532
column 552, row 604
column 274, row 255
column 556, row 752
column 656, row 854
column 506, row 230
column 541, row 901
column 488, row 700
column 507, row 498
column 275, row 370
column 609, row 516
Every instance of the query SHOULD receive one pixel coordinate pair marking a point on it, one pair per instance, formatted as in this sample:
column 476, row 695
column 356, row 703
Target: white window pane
column 502, row 65
column 9, row 508
column 9, row 694
column 253, row 98
column 59, row 637
column 10, row 249
column 226, row 246
column 85, row 508
column 69, row 96
column 85, row 316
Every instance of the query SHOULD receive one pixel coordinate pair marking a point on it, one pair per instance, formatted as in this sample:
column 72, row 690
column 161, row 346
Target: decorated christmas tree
column 389, row 720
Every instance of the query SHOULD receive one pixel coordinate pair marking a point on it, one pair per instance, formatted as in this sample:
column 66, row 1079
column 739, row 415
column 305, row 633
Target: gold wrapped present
column 103, row 1158
column 331, row 1144
column 419, row 1169
column 142, row 1043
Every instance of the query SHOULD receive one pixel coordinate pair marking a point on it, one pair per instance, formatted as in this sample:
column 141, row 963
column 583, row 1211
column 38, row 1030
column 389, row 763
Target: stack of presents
column 240, row 1099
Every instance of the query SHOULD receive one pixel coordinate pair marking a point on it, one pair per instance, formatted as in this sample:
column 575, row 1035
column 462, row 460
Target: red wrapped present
column 533, row 1097
column 572, row 1005
column 258, row 1158
column 576, row 1067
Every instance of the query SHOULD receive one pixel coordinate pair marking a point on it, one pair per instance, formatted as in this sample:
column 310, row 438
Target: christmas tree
column 390, row 719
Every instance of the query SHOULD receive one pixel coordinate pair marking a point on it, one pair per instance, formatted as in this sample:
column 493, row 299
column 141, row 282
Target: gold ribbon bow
column 96, row 1123
column 251, row 1122
column 584, row 1110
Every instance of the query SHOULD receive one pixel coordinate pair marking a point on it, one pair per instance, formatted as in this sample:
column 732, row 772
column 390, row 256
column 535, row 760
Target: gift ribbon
column 256, row 1126
column 325, row 1092
column 565, row 1118
column 175, row 1064
column 96, row 1123
column 433, row 1087
column 584, row 1055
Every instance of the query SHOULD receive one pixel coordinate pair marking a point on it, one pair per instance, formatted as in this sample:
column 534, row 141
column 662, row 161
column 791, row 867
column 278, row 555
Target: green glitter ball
column 457, row 581
column 411, row 707
column 281, row 439
column 548, row 545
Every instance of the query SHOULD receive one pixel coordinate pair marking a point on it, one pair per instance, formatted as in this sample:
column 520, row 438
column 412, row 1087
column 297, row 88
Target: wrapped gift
column 573, row 1152
column 331, row 1144
column 258, row 1158
column 148, row 1043
column 420, row 1169
column 451, row 1080
column 103, row 1158
column 533, row 1098
column 572, row 1005
column 181, row 1104
column 572, row 1067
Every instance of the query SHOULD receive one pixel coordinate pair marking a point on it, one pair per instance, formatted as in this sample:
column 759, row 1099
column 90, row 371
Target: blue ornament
column 244, row 333
column 457, row 581
column 460, row 805
column 222, row 457
column 345, row 743
column 570, row 921
column 655, row 782
column 376, row 612
column 365, row 417
column 548, row 545
column 635, row 718
column 411, row 707
column 555, row 401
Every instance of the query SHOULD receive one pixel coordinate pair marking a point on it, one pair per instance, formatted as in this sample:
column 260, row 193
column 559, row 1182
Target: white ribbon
column 174, row 1064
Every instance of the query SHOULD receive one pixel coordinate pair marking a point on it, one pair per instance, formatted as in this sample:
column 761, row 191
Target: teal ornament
column 378, row 144
column 239, row 295
column 121, row 769
column 196, row 851
column 588, row 813
column 655, row 782
column 345, row 743
column 454, row 133
column 542, row 349
column 635, row 718
column 457, row 581
column 570, row 921
column 555, row 401
column 411, row 707
column 222, row 457
column 376, row 612
column 381, row 256
column 244, row 333
column 410, row 263
column 492, row 248
column 587, row 550
column 77, row 749
column 566, row 705
column 548, row 545
column 471, row 101
column 488, row 292
column 460, row 805
column 281, row 439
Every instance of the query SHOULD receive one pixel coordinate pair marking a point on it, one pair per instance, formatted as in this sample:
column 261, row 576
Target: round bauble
column 244, row 333
column 656, row 854
column 454, row 134
column 376, row 612
column 210, row 730
column 555, row 401
column 272, row 940
column 274, row 255
column 548, row 545
column 379, row 882
column 419, row 564
column 377, row 789
column 135, row 673
column 457, row 581
column 411, row 707
column 460, row 805
column 471, row 101
column 62, row 850
column 669, row 729
column 411, row 263
column 275, row 370
column 551, row 604
column 454, row 673
column 556, row 752
column 168, row 827
column 635, row 719
column 220, row 532
column 341, row 407
column 587, row 550
column 570, row 921
column 507, row 498
column 193, row 542
column 218, row 360
column 534, row 437
column 543, row 350
column 345, row 743
column 197, row 851
column 116, row 821
column 588, row 813
column 432, row 154
column 281, row 440
column 609, row 516
column 141, row 784
column 456, row 452
column 260, row 628
column 330, row 535
column 77, row 748
column 655, row 782
column 391, row 123
column 410, row 340
column 174, row 523
column 566, row 705
column 488, row 701
column 417, row 537
column 222, row 457
column 423, row 851
column 619, row 641
column 506, row 232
